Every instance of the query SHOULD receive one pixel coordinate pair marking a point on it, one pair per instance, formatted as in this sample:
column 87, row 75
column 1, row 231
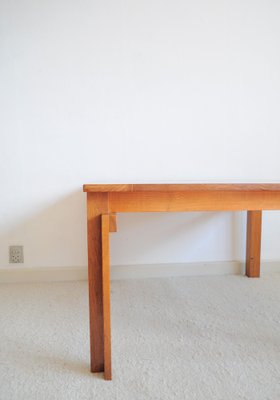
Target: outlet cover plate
column 16, row 254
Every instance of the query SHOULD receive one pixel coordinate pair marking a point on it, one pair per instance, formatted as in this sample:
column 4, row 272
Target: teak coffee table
column 104, row 201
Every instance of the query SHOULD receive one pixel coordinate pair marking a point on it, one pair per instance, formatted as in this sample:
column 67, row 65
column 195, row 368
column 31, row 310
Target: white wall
column 135, row 91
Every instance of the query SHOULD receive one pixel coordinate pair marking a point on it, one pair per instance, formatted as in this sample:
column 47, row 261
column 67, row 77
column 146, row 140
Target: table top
column 181, row 187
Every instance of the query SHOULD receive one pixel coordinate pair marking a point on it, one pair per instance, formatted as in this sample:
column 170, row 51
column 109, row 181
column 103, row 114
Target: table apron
column 193, row 201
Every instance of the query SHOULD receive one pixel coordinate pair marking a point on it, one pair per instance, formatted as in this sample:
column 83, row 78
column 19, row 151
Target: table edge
column 180, row 187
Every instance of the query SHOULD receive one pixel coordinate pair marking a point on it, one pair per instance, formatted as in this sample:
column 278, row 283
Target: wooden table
column 104, row 201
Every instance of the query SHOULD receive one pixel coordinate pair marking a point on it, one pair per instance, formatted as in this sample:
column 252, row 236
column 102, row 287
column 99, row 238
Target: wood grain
column 113, row 222
column 182, row 187
column 204, row 187
column 106, row 296
column 253, row 248
column 108, row 188
column 194, row 201
column 97, row 204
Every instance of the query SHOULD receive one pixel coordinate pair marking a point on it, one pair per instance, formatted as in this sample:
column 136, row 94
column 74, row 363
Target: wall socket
column 16, row 254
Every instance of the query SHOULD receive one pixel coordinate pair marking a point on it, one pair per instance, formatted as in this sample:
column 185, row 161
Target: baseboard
column 59, row 274
column 178, row 269
column 42, row 274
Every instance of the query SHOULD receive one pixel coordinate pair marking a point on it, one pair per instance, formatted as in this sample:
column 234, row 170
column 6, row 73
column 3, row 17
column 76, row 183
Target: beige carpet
column 173, row 338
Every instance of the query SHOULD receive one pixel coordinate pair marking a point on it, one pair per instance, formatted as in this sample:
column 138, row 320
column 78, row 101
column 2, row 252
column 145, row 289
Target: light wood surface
column 104, row 201
column 113, row 222
column 181, row 187
column 97, row 204
column 193, row 201
column 106, row 296
column 108, row 188
column 253, row 248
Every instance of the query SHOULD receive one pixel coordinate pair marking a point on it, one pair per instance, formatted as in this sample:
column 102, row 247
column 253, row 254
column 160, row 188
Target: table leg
column 97, row 204
column 253, row 252
column 106, row 296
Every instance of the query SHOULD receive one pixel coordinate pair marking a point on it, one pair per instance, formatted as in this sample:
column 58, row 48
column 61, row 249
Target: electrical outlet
column 16, row 254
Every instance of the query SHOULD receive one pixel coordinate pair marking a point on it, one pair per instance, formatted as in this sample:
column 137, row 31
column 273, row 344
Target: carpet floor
column 191, row 338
